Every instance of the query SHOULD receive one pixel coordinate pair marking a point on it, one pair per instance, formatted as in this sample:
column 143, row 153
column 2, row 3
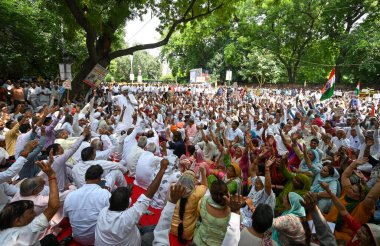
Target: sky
column 143, row 32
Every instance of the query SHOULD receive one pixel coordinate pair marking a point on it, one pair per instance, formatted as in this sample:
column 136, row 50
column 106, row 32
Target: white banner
column 229, row 75
column 131, row 77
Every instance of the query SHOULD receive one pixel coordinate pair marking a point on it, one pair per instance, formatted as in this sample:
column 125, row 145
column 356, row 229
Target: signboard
column 339, row 93
column 339, row 111
column 229, row 75
column 65, row 71
column 96, row 76
column 66, row 84
column 200, row 80
column 131, row 77
column 194, row 73
column 139, row 79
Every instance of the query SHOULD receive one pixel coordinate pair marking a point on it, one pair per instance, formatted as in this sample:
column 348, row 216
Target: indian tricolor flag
column 357, row 89
column 328, row 89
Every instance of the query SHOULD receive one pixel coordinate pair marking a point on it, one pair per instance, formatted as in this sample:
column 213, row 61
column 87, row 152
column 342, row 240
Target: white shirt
column 45, row 98
column 120, row 228
column 340, row 142
column 130, row 140
column 26, row 235
column 83, row 206
column 79, row 170
column 145, row 168
column 171, row 176
column 33, row 93
column 231, row 134
column 21, row 141
column 132, row 160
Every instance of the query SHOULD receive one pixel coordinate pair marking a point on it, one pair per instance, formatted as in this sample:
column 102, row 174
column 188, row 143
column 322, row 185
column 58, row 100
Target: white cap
column 96, row 115
column 124, row 88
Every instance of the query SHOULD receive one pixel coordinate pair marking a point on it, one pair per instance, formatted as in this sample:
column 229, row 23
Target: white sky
column 143, row 32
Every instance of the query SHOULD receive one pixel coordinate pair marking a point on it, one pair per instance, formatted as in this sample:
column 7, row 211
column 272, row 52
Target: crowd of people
column 224, row 166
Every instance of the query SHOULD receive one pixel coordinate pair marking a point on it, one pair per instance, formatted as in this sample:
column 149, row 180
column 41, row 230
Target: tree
column 100, row 20
column 340, row 18
column 31, row 40
column 150, row 66
column 287, row 29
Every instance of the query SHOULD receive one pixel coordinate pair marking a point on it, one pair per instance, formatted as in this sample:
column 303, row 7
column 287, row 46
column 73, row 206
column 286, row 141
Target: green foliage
column 168, row 78
column 31, row 40
column 288, row 40
column 120, row 68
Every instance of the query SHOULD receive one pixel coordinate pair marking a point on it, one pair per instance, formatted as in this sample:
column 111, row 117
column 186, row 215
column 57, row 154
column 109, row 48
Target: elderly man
column 146, row 166
column 34, row 189
column 134, row 155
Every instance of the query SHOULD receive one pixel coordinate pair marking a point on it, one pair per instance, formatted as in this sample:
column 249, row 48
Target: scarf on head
column 296, row 209
column 188, row 181
column 315, row 162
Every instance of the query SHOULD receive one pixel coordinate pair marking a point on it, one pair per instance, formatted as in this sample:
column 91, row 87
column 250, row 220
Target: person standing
column 33, row 95
column 44, row 95
column 17, row 95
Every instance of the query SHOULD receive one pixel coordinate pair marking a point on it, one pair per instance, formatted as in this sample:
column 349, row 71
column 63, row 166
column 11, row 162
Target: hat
column 124, row 88
column 96, row 115
column 81, row 116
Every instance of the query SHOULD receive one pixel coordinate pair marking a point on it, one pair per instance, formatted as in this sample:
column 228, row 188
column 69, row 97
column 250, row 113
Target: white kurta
column 121, row 100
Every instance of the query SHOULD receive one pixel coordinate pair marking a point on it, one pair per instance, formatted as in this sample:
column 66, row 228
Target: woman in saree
column 215, row 215
column 360, row 205
column 291, row 227
column 298, row 183
column 261, row 192
column 232, row 179
column 186, row 213
column 310, row 160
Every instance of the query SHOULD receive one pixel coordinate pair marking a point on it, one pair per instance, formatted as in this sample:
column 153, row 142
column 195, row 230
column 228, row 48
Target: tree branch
column 82, row 21
column 182, row 20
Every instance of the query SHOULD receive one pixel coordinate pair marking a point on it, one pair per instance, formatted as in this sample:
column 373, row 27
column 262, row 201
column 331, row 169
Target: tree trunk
column 338, row 65
column 77, row 85
column 291, row 75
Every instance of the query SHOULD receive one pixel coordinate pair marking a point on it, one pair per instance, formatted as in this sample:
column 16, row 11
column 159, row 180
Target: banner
column 229, row 75
column 66, row 84
column 139, row 79
column 96, row 76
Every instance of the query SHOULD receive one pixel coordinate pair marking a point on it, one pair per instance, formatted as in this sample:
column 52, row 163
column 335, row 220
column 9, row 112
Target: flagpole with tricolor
column 357, row 89
column 328, row 89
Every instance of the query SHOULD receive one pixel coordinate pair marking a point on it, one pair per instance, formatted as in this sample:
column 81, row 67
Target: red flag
column 373, row 110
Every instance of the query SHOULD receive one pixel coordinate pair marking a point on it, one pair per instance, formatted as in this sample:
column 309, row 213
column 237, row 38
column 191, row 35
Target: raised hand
column 46, row 167
column 30, row 146
column 361, row 161
column 235, row 202
column 309, row 200
column 325, row 186
column 164, row 164
column 86, row 132
column 269, row 162
column 177, row 191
